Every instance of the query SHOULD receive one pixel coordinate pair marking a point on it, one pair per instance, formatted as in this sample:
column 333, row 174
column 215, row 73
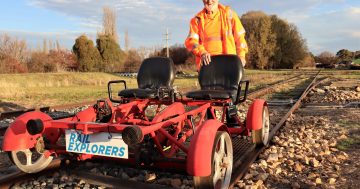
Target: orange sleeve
column 192, row 41
column 239, row 36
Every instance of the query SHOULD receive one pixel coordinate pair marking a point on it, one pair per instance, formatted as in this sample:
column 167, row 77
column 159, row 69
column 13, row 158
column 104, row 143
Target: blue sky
column 327, row 25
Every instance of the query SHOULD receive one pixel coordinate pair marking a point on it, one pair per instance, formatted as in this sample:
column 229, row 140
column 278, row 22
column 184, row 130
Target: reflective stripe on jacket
column 232, row 35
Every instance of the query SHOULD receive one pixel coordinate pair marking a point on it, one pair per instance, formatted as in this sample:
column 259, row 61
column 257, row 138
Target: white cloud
column 355, row 34
column 326, row 24
column 355, row 10
column 66, row 38
column 332, row 30
column 144, row 19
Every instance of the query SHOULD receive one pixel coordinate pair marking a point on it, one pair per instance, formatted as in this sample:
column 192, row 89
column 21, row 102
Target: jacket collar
column 202, row 13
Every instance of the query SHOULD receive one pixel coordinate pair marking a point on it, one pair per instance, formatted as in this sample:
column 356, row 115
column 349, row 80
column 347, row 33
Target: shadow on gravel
column 8, row 106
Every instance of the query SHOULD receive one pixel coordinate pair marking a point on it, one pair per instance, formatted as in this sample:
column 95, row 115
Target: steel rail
column 15, row 113
column 11, row 114
column 9, row 180
column 6, row 181
column 252, row 156
column 113, row 182
column 270, row 88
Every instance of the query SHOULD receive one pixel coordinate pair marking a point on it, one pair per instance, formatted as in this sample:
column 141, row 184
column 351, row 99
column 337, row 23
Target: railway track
column 56, row 112
column 15, row 175
column 57, row 109
column 243, row 161
column 251, row 156
column 12, row 114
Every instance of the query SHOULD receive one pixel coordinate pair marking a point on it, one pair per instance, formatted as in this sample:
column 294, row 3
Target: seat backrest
column 223, row 73
column 156, row 72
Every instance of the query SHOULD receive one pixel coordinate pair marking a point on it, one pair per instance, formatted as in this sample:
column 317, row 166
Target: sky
column 326, row 25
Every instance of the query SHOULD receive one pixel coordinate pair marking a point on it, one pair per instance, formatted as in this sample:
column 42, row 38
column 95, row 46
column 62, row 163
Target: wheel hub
column 40, row 145
column 224, row 163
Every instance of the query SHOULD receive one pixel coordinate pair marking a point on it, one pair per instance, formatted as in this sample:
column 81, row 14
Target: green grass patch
column 348, row 143
column 349, row 124
column 357, row 61
column 353, row 140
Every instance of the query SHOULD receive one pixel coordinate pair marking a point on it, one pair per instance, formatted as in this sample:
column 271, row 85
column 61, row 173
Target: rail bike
column 199, row 133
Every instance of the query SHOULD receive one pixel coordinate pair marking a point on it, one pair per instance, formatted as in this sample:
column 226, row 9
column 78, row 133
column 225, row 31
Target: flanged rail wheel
column 222, row 163
column 29, row 160
column 261, row 136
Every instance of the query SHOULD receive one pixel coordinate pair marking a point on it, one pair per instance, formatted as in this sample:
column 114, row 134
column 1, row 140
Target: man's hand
column 243, row 61
column 205, row 59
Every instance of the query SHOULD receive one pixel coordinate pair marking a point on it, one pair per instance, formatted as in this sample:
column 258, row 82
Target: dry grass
column 44, row 89
column 345, row 74
column 34, row 90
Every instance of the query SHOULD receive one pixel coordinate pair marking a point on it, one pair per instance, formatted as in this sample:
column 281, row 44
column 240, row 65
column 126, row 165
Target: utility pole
column 167, row 42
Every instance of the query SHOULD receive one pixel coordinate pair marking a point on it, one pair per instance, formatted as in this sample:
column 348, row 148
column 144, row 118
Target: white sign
column 100, row 144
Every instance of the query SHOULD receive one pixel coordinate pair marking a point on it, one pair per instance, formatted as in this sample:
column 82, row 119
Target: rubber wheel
column 261, row 136
column 29, row 160
column 221, row 166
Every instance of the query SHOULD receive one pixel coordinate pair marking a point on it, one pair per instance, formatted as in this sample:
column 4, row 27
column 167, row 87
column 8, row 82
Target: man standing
column 216, row 30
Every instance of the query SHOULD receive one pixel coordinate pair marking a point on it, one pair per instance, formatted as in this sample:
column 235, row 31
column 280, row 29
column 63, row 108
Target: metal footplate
column 243, row 158
column 59, row 115
column 241, row 148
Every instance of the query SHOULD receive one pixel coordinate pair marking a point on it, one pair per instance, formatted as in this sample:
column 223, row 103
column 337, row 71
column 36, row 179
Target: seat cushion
column 156, row 72
column 219, row 79
column 223, row 73
column 138, row 93
column 212, row 94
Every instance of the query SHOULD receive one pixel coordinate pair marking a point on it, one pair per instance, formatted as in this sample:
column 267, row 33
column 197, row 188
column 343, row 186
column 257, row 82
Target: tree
column 54, row 61
column 11, row 65
column 37, row 62
column 62, row 60
column 179, row 54
column 112, row 56
column 15, row 48
column 109, row 23
column 260, row 37
column 133, row 61
column 273, row 42
column 107, row 43
column 127, row 40
column 308, row 62
column 87, row 55
column 345, row 55
column 326, row 58
column 290, row 48
column 45, row 48
column 357, row 54
column 58, row 47
column 13, row 55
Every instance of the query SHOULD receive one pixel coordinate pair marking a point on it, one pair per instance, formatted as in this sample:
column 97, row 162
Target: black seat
column 220, row 79
column 154, row 73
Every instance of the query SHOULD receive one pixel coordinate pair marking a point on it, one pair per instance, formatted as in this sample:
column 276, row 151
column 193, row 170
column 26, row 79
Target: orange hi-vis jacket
column 220, row 33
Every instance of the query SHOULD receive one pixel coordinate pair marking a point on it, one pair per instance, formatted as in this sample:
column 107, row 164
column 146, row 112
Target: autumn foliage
column 15, row 57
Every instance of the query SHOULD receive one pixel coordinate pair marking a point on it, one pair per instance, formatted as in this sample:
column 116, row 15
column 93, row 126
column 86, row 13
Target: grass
column 357, row 61
column 353, row 140
column 348, row 143
column 40, row 89
column 344, row 74
column 49, row 89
